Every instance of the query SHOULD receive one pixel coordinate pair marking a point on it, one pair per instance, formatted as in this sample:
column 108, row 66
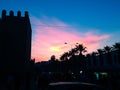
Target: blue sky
column 100, row 17
column 84, row 12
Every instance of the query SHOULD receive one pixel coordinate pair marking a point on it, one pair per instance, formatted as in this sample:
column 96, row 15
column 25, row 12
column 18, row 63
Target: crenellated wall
column 15, row 38
column 11, row 14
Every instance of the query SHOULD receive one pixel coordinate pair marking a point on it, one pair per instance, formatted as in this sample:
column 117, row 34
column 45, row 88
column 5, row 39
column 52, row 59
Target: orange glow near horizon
column 48, row 41
column 56, row 49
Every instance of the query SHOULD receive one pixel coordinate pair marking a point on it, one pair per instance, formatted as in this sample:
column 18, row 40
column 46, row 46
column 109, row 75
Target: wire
column 117, row 26
column 51, row 25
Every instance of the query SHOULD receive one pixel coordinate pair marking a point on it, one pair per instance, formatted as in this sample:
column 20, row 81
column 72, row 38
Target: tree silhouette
column 107, row 50
column 53, row 64
column 94, row 58
column 88, row 59
column 81, row 49
column 53, row 58
column 100, row 52
column 72, row 54
column 74, row 59
column 116, row 47
column 64, row 56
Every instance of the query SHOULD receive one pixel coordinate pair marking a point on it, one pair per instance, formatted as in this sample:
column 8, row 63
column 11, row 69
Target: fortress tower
column 15, row 41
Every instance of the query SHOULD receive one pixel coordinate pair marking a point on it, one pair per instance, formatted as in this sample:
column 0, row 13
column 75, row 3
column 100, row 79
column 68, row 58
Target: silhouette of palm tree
column 116, row 47
column 64, row 56
column 72, row 52
column 81, row 49
column 73, row 61
column 107, row 50
column 94, row 58
column 88, row 59
column 100, row 52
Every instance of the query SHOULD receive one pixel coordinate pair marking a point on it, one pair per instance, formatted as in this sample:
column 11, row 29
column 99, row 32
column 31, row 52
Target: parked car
column 74, row 86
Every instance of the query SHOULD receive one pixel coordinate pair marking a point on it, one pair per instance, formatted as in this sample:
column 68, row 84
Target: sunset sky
column 94, row 23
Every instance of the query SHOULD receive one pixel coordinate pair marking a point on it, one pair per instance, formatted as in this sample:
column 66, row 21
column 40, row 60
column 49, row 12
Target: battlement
column 11, row 14
column 15, row 35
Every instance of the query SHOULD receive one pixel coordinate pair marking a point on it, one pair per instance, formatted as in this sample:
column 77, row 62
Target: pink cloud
column 48, row 39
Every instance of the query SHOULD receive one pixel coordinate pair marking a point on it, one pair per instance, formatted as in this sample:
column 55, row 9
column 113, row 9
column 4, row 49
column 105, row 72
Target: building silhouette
column 95, row 65
column 15, row 38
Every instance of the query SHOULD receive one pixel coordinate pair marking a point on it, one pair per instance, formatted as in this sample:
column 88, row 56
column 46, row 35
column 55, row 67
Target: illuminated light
column 97, row 75
column 103, row 73
column 81, row 72
column 57, row 49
